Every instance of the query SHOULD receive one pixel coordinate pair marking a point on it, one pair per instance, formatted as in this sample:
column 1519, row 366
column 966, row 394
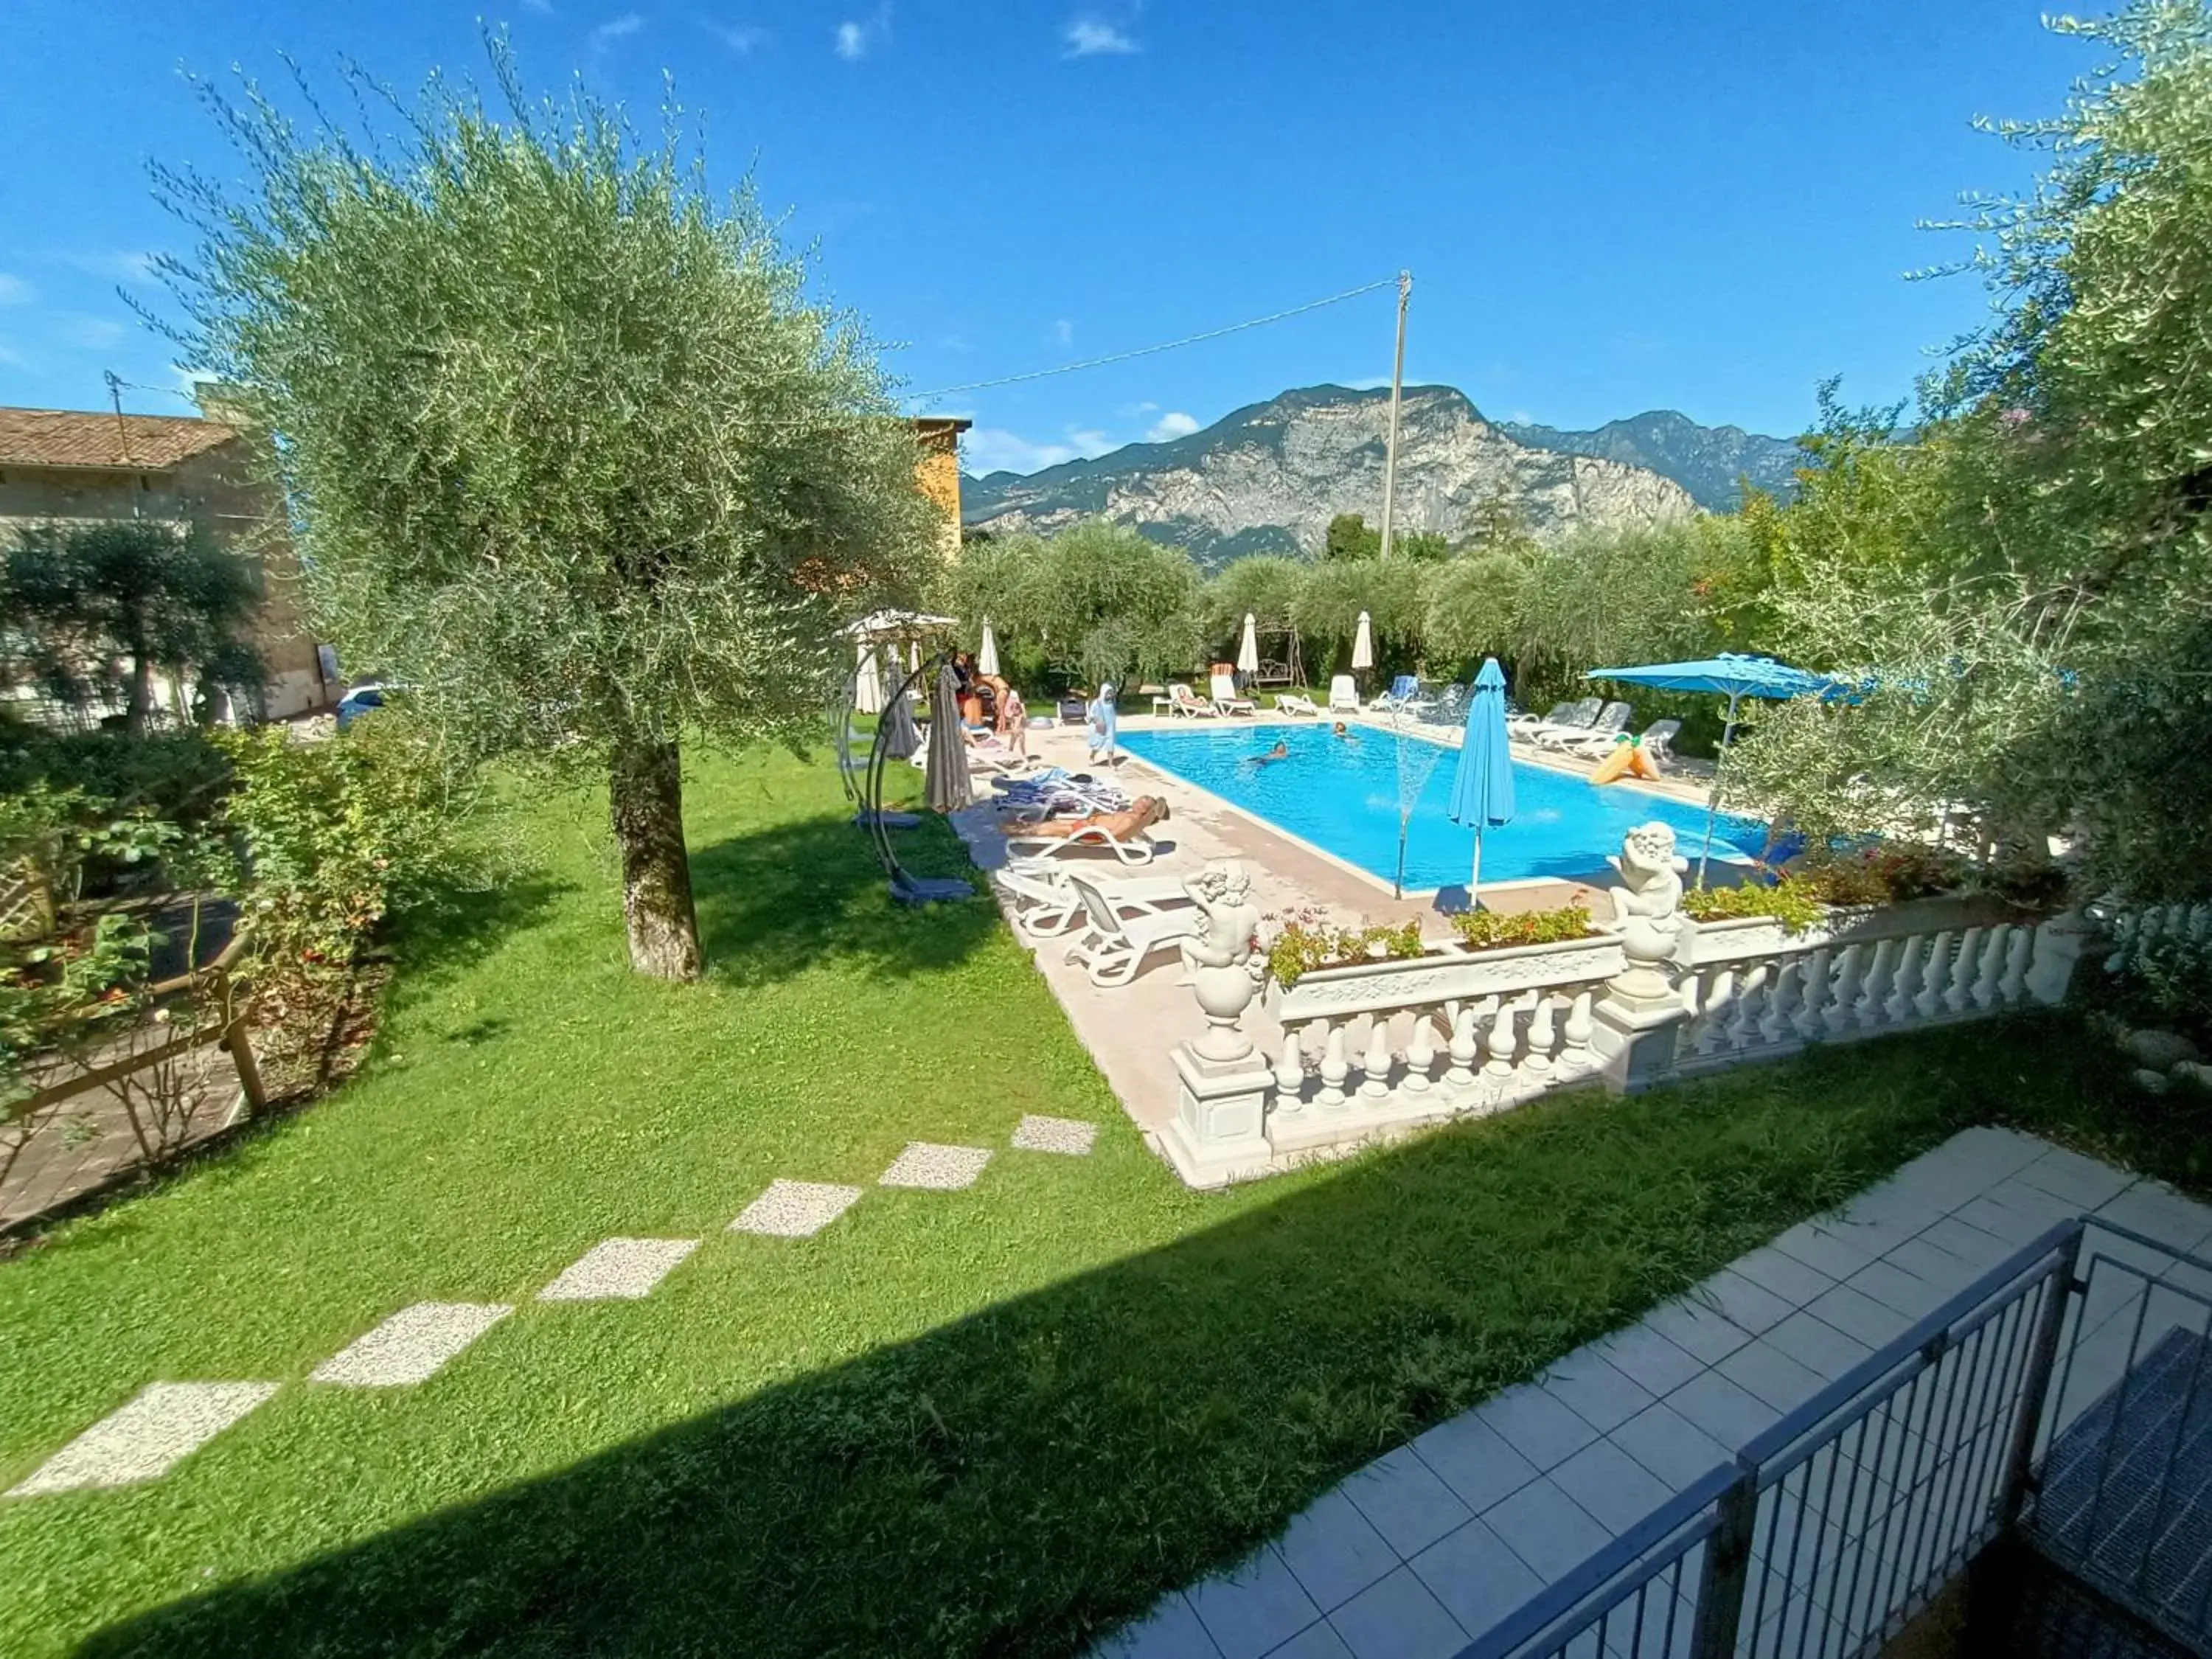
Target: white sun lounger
column 1226, row 700
column 1183, row 701
column 1046, row 904
column 1612, row 721
column 1292, row 702
column 1567, row 718
column 1343, row 696
column 1120, row 933
column 1034, row 848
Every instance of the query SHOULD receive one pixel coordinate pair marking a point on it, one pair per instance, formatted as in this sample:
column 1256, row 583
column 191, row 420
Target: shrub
column 1794, row 902
column 2165, row 980
column 1495, row 930
column 1305, row 943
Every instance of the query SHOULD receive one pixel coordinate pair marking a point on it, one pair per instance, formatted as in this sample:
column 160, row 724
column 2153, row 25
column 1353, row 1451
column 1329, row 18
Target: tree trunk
column 645, row 789
column 141, row 697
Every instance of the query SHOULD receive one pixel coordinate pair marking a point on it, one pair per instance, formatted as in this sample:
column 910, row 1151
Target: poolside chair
column 1570, row 719
column 1611, row 721
column 1343, row 696
column 1226, row 700
column 1183, row 701
column 1084, row 799
column 1127, row 833
column 1291, row 702
column 1598, row 744
column 1045, row 903
column 1122, row 933
column 1405, row 691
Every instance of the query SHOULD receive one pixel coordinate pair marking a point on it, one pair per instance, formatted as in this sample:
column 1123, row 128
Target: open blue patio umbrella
column 1482, row 783
column 1736, row 677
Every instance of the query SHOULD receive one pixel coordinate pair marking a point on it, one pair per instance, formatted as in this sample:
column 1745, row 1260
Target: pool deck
column 1131, row 1030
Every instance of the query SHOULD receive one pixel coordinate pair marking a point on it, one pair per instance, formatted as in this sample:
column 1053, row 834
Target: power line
column 1146, row 351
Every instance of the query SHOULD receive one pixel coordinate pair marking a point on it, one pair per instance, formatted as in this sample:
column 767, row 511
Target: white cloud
column 1146, row 407
column 79, row 328
column 1172, row 425
column 1087, row 37
column 614, row 29
column 858, row 37
column 15, row 291
column 118, row 267
column 542, row 8
column 994, row 449
column 740, row 38
column 1064, row 331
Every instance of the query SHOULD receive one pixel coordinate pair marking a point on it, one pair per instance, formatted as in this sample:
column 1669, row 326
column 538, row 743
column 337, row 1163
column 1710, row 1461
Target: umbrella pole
column 1713, row 799
column 1474, row 878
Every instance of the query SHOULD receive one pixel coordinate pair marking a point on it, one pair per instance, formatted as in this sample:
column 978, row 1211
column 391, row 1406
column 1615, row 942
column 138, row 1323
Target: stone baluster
column 1905, row 981
column 1459, row 1077
column 1816, row 974
column 1543, row 1031
column 1841, row 1017
column 1959, row 996
column 1374, row 1064
column 1989, row 970
column 1720, row 1010
column 1420, row 1051
column 1499, row 1067
column 1334, row 1069
column 1935, row 978
column 2019, row 952
column 1873, row 990
column 1576, row 1057
column 1290, row 1074
column 1750, row 1005
column 1777, row 1020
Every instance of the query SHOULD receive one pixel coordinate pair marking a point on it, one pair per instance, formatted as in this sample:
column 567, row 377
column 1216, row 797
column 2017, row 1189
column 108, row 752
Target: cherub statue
column 1647, row 904
column 1229, row 922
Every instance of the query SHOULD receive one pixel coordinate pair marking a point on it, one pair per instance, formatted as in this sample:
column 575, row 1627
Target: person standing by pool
column 1104, row 724
column 1013, row 722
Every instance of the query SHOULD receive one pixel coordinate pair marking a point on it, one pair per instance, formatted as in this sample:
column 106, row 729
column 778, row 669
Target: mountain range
column 1269, row 476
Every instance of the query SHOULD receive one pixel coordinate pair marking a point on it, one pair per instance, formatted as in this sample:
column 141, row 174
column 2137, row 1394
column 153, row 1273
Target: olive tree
column 1099, row 600
column 570, row 448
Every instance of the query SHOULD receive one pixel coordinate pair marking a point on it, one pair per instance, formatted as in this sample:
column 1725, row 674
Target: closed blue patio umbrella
column 1736, row 677
column 1482, row 783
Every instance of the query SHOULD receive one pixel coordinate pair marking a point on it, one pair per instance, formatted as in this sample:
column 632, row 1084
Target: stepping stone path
column 140, row 1440
column 412, row 1345
column 625, row 1267
column 795, row 1209
column 1056, row 1134
column 143, row 1439
column 943, row 1169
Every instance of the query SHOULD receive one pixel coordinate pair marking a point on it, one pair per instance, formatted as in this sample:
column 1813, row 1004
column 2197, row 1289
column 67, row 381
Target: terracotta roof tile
column 61, row 437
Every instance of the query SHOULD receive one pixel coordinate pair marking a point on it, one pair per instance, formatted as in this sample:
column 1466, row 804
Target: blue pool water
column 1341, row 794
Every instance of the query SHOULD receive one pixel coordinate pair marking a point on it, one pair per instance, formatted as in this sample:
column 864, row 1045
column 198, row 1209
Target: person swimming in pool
column 1345, row 733
column 1281, row 751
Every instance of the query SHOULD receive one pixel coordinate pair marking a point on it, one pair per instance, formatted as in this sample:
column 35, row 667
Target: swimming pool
column 1341, row 794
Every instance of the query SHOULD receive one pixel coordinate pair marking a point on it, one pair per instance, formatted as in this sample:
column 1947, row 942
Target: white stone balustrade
column 1379, row 1046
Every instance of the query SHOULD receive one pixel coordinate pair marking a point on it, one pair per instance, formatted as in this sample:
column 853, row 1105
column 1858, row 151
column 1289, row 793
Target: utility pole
column 1397, row 386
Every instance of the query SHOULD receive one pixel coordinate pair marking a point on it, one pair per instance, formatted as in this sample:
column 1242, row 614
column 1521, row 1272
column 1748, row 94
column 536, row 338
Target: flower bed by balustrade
column 1383, row 1030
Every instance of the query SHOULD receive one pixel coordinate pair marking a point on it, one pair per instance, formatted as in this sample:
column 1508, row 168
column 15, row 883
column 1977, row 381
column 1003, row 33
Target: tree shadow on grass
column 810, row 890
column 1017, row 1481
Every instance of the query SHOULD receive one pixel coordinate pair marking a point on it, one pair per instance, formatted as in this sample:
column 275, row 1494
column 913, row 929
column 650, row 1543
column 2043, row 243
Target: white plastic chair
column 1292, row 702
column 1122, row 933
column 1045, row 903
column 1343, row 696
column 1226, row 700
column 1183, row 701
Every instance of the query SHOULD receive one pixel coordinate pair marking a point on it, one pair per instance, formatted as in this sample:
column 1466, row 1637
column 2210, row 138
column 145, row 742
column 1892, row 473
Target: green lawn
column 994, row 1420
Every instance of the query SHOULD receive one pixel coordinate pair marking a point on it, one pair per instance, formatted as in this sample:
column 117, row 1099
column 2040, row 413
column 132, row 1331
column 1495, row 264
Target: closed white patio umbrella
column 987, row 659
column 1363, row 644
column 1247, row 653
column 868, row 685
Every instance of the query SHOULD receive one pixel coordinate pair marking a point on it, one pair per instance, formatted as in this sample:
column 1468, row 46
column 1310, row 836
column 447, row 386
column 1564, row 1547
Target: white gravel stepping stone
column 945, row 1168
column 1056, row 1134
column 412, row 1344
column 627, row 1267
column 795, row 1209
column 142, row 1439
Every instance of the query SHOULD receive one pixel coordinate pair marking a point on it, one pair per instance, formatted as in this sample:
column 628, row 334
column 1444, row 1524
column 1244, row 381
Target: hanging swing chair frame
column 906, row 887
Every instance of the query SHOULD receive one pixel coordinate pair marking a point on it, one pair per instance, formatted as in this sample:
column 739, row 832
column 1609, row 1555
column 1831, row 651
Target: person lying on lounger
column 1140, row 816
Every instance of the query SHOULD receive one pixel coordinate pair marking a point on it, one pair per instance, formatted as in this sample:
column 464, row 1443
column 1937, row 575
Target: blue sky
column 1607, row 207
